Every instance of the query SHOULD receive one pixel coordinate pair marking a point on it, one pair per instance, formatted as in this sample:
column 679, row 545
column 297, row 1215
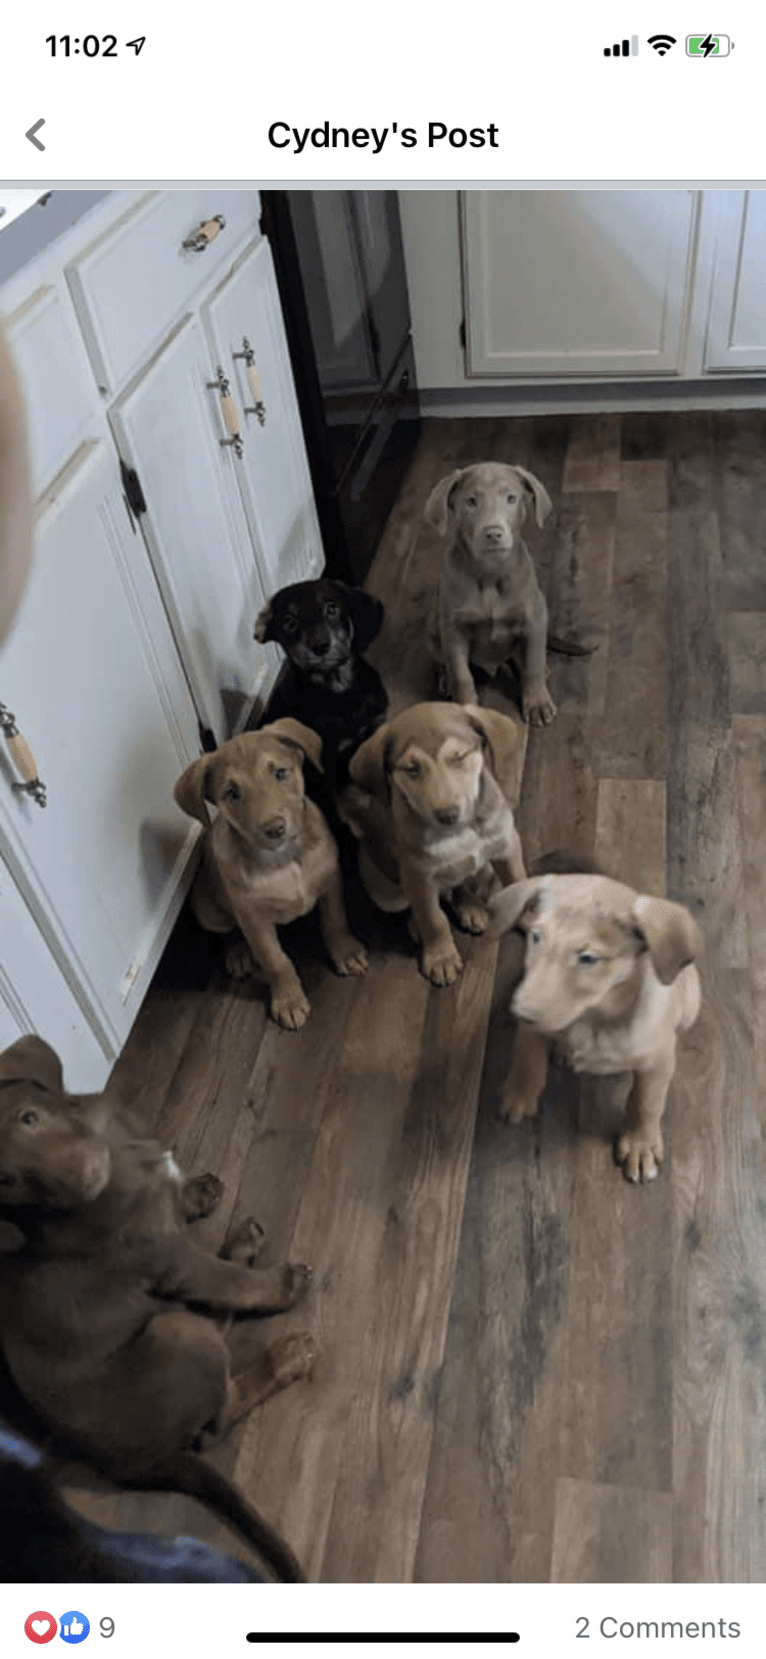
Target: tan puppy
column 490, row 608
column 268, row 858
column 435, row 820
column 608, row 982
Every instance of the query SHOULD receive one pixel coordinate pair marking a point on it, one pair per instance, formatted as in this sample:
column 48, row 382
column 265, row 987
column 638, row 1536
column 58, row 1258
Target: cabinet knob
column 230, row 413
column 257, row 407
column 22, row 757
column 206, row 232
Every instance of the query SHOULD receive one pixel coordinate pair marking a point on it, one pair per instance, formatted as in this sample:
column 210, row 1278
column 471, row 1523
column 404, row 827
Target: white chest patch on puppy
column 172, row 1167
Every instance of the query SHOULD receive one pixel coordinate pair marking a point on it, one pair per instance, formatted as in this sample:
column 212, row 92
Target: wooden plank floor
column 529, row 1370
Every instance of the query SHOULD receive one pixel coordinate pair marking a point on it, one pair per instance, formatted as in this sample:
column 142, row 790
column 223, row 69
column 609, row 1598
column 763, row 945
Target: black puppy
column 324, row 627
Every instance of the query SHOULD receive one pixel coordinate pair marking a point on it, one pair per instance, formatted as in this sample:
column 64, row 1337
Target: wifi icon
column 662, row 43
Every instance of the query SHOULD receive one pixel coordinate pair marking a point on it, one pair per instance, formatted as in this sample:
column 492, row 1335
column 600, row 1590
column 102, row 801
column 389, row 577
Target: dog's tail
column 569, row 647
column 189, row 1473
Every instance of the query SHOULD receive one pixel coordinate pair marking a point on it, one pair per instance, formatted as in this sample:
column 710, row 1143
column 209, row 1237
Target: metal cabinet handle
column 22, row 757
column 230, row 413
column 206, row 232
column 257, row 407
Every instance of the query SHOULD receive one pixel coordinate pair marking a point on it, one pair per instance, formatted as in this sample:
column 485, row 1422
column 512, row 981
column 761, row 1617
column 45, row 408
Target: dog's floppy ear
column 30, row 1060
column 501, row 734
column 369, row 766
column 437, row 506
column 670, row 934
column 366, row 614
column 299, row 737
column 514, row 904
column 190, row 792
column 263, row 630
column 543, row 503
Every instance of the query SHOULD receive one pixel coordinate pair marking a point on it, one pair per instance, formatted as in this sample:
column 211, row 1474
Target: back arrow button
column 31, row 134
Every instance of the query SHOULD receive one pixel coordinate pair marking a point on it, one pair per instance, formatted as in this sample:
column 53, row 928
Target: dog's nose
column 448, row 815
column 275, row 829
column 493, row 532
column 320, row 647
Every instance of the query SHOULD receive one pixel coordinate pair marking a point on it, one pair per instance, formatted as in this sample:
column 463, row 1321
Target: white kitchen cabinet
column 582, row 282
column 136, row 631
column 92, row 681
column 168, row 427
column 736, row 331
column 243, row 320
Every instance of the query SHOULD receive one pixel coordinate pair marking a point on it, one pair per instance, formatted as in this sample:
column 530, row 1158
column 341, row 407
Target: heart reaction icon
column 40, row 1627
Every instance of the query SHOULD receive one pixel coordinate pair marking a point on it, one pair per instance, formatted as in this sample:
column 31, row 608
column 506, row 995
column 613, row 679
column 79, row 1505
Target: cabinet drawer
column 130, row 286
column 58, row 388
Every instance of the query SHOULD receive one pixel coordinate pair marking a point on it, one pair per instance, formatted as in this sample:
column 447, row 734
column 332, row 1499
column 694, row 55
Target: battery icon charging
column 708, row 46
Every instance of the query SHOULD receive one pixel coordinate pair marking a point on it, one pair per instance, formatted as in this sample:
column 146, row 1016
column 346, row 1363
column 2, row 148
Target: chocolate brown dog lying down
column 609, row 983
column 96, row 1320
column 434, row 820
column 490, row 610
column 268, row 858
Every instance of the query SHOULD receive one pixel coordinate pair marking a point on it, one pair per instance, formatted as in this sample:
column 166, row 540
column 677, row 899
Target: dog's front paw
column 349, row 956
column 238, row 960
column 246, row 1243
column 296, row 1279
column 291, row 1358
column 514, row 1106
column 202, row 1195
column 538, row 707
column 442, row 963
column 290, row 1006
column 472, row 915
column 640, row 1151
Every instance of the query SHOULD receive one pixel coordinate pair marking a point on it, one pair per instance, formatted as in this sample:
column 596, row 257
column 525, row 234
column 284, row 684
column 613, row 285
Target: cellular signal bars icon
column 624, row 49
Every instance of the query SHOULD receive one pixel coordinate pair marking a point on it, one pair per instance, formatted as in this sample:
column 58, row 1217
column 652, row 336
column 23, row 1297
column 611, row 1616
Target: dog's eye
column 30, row 1120
column 511, row 498
column 471, row 501
column 413, row 770
column 535, row 936
column 290, row 625
column 281, row 773
column 232, row 792
column 586, row 959
column 331, row 611
column 457, row 760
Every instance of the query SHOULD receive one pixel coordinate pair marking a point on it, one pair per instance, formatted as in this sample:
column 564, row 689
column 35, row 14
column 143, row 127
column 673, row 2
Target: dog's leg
column 228, row 1287
column 526, row 1079
column 348, row 955
column 201, row 1195
column 289, row 1004
column 639, row 1148
column 460, row 682
column 441, row 959
column 537, row 705
column 511, row 868
column 283, row 1362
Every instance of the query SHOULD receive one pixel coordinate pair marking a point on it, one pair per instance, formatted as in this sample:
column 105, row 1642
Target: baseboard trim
column 619, row 398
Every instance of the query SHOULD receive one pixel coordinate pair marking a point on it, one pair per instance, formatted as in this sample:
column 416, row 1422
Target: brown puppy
column 609, row 982
column 436, row 821
column 490, row 608
column 98, row 1285
column 268, row 858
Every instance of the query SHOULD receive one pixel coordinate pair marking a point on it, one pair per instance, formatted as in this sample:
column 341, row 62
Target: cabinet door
column 736, row 336
column 91, row 674
column 561, row 283
column 169, row 426
column 273, row 473
column 35, row 997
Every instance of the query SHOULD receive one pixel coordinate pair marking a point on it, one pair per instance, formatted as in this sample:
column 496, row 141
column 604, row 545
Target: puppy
column 268, row 858
column 608, row 982
column 490, row 609
column 324, row 627
column 435, row 821
column 98, row 1288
